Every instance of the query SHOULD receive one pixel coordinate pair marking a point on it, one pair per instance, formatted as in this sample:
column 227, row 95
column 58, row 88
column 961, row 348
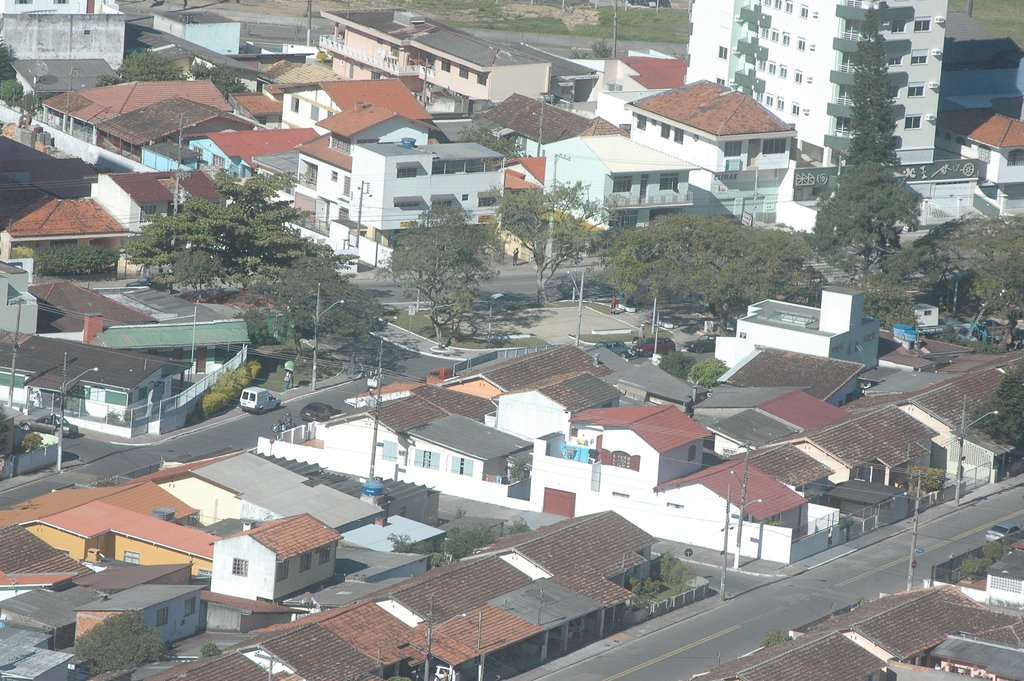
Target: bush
column 209, row 649
column 32, row 441
column 11, row 91
column 19, row 252
column 69, row 261
column 974, row 566
column 677, row 364
column 226, row 389
column 706, row 373
column 774, row 638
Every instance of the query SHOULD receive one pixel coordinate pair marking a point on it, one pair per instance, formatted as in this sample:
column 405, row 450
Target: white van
column 258, row 400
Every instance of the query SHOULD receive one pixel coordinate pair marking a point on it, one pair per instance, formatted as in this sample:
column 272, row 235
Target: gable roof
column 158, row 187
column 662, row 427
column 51, row 608
column 830, row 657
column 245, row 144
column 99, row 517
column 403, row 414
column 753, row 427
column 463, row 435
column 164, row 120
column 522, row 115
column 58, row 298
column 789, row 465
column 985, row 126
column 713, row 109
column 887, row 434
column 141, row 497
column 534, row 370
column 120, row 577
column 101, row 103
column 947, row 400
column 175, row 471
column 320, row 149
column 724, row 480
column 287, row 73
column 25, row 553
column 802, row 410
column 256, row 104
column 348, row 123
column 656, row 73
column 821, row 377
column 352, row 95
column 231, row 665
column 460, row 636
column 66, row 217
column 288, row 537
column 600, row 127
column 319, row 655
column 580, row 391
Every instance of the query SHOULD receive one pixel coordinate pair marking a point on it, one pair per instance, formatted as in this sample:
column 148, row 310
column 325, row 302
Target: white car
column 258, row 401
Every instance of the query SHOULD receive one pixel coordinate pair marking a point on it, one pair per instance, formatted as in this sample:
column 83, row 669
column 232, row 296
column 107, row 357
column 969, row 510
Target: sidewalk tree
column 250, row 234
column 443, row 258
column 554, row 228
column 121, row 641
column 859, row 225
column 291, row 296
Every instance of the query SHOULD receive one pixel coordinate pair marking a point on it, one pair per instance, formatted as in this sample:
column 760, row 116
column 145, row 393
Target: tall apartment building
column 796, row 57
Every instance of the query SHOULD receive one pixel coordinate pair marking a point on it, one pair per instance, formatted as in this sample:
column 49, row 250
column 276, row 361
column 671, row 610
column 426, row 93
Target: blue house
column 232, row 151
column 164, row 157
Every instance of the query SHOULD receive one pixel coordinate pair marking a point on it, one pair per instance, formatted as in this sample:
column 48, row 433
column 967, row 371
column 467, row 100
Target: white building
column 274, row 559
column 542, row 410
column 305, row 105
column 838, row 329
column 796, row 57
column 741, row 148
column 637, row 183
column 995, row 143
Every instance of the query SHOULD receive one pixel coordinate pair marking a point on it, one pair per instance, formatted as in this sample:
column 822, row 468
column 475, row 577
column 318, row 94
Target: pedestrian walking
column 614, row 304
column 515, row 257
column 642, row 331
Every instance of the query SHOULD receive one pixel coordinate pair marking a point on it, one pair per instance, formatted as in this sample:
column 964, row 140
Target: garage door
column 558, row 502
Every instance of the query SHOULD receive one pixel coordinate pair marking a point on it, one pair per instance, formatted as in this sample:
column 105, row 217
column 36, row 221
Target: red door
column 558, row 502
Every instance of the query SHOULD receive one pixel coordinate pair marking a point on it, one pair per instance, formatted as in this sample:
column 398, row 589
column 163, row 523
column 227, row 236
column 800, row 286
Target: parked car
column 706, row 344
column 645, row 347
column 318, row 411
column 1001, row 531
column 48, row 424
column 258, row 401
column 617, row 346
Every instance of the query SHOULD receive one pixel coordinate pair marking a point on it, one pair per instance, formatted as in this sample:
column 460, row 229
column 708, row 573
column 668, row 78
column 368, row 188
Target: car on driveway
column 706, row 344
column 645, row 347
column 318, row 411
column 616, row 346
column 48, row 424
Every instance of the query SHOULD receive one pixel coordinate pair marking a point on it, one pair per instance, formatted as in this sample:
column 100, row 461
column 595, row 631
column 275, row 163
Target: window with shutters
column 282, row 571
column 620, row 459
column 427, row 459
column 389, row 450
column 305, row 561
column 462, row 466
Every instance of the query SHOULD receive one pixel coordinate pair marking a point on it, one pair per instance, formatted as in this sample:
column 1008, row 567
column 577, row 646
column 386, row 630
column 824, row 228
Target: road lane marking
column 689, row 646
column 944, row 542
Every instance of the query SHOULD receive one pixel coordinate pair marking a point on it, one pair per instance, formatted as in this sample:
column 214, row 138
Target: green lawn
column 473, row 338
column 1000, row 18
column 663, row 25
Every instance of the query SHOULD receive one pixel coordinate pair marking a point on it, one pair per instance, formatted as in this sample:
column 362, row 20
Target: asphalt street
column 736, row 627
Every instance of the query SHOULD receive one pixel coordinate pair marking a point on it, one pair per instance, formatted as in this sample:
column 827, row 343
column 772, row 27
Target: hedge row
column 227, row 389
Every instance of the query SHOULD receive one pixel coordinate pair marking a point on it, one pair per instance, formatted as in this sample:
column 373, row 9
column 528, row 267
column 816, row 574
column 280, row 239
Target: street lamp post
column 725, row 542
column 64, row 382
column 316, row 330
column 490, row 312
column 960, row 456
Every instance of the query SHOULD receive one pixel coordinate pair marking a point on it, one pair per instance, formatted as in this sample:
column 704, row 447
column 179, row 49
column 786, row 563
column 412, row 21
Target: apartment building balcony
column 842, row 74
column 750, row 47
column 846, row 41
column 839, row 138
column 748, row 79
column 653, row 199
column 386, row 64
column 852, row 10
column 840, row 109
column 755, row 18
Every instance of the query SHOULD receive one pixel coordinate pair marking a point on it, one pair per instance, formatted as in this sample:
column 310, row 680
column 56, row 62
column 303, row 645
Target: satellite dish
column 42, row 70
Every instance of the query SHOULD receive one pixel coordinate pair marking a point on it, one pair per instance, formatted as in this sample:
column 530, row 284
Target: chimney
column 91, row 327
column 380, row 522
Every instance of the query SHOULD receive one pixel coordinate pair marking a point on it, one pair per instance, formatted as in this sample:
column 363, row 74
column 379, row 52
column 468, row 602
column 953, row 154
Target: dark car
column 700, row 345
column 48, row 424
column 645, row 347
column 318, row 411
column 618, row 347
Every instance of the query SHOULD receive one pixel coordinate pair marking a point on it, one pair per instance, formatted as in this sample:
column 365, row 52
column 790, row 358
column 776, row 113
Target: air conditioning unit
column 933, row 85
column 814, row 15
column 940, row 21
column 811, row 47
column 809, row 80
column 807, row 112
column 937, row 53
column 930, row 118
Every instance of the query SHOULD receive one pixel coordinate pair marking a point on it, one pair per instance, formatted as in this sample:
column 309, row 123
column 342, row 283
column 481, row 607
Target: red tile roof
column 257, row 105
column 662, row 427
column 713, row 109
column 156, row 187
column 655, row 73
column 351, row 95
column 104, row 102
column 535, row 165
column 515, row 180
column 726, row 480
column 374, row 632
column 320, row 149
column 98, row 517
column 61, row 297
column 488, row 628
column 66, row 217
column 821, row 377
column 245, row 144
column 24, row 554
column 288, row 537
column 985, row 126
column 789, row 465
column 802, row 410
column 141, row 497
column 348, row 123
column 536, row 369
column 887, row 434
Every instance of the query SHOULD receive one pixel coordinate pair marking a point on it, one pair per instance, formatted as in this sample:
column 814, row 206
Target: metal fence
column 698, row 592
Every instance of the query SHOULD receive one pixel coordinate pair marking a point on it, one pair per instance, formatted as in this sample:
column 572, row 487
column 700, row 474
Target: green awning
column 146, row 336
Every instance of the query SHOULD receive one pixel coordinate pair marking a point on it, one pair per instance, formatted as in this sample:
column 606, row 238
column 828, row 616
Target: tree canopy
column 144, row 65
column 482, row 136
column 225, row 80
column 444, row 257
column 706, row 373
column 249, row 235
column 730, row 265
column 121, row 641
column 6, row 57
column 887, row 302
column 554, row 228
column 1006, row 427
column 872, row 122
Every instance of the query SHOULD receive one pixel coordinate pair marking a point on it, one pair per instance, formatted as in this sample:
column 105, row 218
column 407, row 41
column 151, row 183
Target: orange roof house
column 713, row 109
column 81, row 222
column 140, row 497
column 98, row 529
column 350, row 95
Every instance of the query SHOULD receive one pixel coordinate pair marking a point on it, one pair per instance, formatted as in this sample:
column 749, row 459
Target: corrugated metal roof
column 220, row 332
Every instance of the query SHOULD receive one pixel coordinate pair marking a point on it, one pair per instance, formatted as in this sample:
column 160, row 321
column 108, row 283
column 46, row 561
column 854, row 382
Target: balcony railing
column 307, row 181
column 845, row 68
column 844, row 100
column 658, row 199
column 329, row 42
column 841, row 132
column 390, row 65
column 850, row 35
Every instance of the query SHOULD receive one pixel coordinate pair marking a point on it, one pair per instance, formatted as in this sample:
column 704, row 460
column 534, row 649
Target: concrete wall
column 530, row 414
column 214, row 503
column 221, row 37
column 258, row 583
column 66, row 36
column 178, row 625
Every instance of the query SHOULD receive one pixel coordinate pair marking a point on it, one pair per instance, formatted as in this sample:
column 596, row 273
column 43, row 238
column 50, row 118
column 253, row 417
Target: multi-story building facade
column 796, row 57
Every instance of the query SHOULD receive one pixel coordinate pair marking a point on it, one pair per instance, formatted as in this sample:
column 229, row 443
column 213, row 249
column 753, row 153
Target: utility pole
column 960, row 454
column 316, row 336
column 654, row 329
column 430, row 637
column 63, row 399
column 725, row 542
column 376, row 411
column 913, row 541
column 615, row 28
column 743, row 503
column 14, row 355
column 309, row 22
column 177, row 172
column 579, row 306
column 363, row 187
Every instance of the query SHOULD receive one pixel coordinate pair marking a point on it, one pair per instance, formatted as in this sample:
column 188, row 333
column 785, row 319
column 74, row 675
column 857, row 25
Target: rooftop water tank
column 408, row 142
column 373, row 489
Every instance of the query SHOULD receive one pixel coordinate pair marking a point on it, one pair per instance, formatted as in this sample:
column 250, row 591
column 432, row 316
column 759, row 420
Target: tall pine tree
column 872, row 122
